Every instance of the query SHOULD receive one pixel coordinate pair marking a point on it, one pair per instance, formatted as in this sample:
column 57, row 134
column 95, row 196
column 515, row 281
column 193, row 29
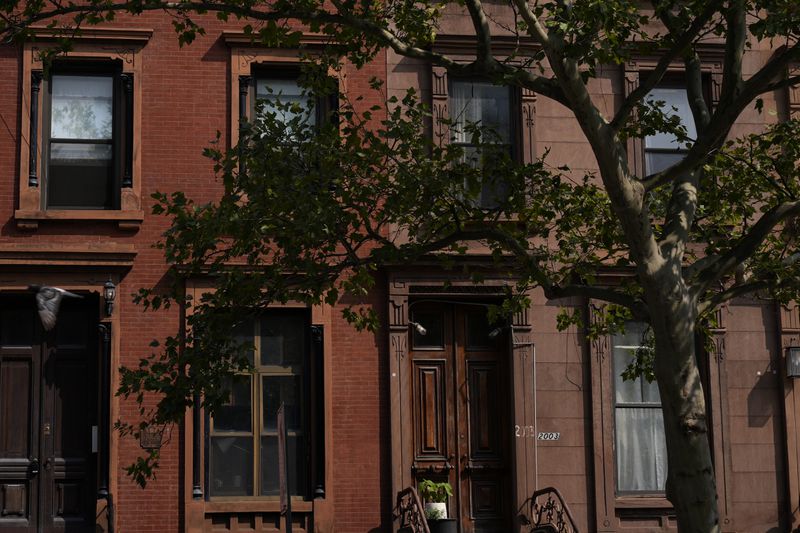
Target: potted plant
column 435, row 496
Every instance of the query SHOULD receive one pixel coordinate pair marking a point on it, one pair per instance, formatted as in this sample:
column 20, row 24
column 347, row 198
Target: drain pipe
column 104, row 429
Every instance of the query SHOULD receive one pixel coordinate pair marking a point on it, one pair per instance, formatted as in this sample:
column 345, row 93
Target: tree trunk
column 691, row 484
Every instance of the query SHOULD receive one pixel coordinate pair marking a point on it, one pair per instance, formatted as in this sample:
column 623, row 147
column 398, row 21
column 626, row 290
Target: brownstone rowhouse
column 499, row 410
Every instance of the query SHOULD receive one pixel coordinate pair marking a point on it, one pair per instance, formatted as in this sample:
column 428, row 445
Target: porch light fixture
column 793, row 362
column 495, row 332
column 109, row 294
column 417, row 326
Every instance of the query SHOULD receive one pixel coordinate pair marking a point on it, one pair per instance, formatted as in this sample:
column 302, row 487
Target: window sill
column 643, row 502
column 299, row 505
column 128, row 220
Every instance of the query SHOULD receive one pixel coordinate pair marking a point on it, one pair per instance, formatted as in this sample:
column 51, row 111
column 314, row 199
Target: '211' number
column 528, row 431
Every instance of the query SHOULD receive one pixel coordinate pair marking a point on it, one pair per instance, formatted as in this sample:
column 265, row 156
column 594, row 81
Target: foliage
column 433, row 492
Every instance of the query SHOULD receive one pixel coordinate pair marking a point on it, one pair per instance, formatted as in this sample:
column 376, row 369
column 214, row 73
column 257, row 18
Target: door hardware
column 46, row 429
column 34, row 466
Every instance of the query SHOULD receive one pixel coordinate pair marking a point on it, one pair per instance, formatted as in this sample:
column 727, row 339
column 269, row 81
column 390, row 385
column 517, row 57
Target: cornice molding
column 93, row 34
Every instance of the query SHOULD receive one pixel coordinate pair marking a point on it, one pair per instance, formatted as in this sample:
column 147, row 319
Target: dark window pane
column 283, row 340
column 434, row 330
column 243, row 335
column 231, row 472
column 16, row 327
column 297, row 461
column 71, row 327
column 277, row 389
column 478, row 329
column 82, row 107
column 80, row 176
column 236, row 414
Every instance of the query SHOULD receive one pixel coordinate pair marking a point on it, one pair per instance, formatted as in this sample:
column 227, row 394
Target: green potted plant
column 435, row 496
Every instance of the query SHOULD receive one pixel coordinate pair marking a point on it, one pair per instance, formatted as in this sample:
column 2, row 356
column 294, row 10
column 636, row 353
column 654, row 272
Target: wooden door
column 48, row 408
column 460, row 402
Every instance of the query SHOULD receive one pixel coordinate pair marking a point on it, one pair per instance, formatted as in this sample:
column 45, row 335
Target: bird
column 48, row 300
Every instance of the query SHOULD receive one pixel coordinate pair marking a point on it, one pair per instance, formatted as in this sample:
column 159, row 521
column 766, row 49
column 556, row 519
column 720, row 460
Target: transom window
column 243, row 435
column 480, row 105
column 641, row 452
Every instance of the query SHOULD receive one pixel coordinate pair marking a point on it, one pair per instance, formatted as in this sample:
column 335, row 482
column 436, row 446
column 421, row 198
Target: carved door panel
column 460, row 388
column 48, row 404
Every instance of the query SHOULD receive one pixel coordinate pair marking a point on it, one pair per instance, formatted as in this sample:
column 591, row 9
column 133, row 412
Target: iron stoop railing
column 544, row 512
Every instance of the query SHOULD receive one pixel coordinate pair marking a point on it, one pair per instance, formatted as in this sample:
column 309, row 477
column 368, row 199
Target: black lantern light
column 109, row 294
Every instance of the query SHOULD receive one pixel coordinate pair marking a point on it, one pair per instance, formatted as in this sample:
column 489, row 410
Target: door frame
column 434, row 284
column 86, row 281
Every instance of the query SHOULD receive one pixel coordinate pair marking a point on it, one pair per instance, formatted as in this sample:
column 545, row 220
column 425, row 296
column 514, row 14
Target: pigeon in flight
column 48, row 300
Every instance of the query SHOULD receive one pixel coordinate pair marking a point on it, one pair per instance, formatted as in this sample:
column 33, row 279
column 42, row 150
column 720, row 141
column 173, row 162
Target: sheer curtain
column 641, row 452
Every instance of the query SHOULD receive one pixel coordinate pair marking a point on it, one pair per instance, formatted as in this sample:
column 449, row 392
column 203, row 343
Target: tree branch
column 745, row 246
column 481, row 25
column 681, row 41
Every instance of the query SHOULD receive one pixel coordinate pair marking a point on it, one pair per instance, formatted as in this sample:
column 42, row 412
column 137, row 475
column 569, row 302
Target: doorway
column 460, row 407
column 48, row 417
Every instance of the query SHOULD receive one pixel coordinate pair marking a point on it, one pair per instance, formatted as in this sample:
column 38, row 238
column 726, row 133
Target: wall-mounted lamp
column 793, row 362
column 496, row 332
column 418, row 327
column 109, row 294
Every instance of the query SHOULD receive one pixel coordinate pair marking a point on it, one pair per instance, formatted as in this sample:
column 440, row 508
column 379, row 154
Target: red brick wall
column 185, row 100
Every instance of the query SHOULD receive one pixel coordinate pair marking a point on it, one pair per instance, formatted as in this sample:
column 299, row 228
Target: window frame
column 512, row 145
column 257, row 426
column 100, row 69
column 96, row 45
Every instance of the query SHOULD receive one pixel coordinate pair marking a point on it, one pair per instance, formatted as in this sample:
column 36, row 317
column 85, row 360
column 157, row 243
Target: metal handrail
column 410, row 511
column 550, row 514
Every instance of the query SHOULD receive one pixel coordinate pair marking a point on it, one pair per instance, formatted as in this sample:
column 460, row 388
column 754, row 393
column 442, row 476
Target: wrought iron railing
column 547, row 512
column 409, row 512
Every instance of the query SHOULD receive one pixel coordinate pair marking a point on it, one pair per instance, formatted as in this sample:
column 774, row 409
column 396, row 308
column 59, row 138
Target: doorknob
column 34, row 466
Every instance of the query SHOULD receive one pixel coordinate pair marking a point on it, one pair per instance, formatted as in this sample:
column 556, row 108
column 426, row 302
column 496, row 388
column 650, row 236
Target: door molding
column 448, row 286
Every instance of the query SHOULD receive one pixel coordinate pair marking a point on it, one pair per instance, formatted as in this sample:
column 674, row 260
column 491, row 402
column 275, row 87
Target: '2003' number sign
column 528, row 431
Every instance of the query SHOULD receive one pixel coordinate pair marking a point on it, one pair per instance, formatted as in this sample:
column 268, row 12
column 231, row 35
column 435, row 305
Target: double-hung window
column 640, row 445
column 243, row 433
column 270, row 90
column 83, row 136
column 478, row 106
column 663, row 150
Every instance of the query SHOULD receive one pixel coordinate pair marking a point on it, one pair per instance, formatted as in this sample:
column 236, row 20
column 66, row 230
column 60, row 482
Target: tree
column 718, row 224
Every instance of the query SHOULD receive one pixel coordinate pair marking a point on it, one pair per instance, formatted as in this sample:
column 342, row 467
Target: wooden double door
column 48, row 417
column 460, row 403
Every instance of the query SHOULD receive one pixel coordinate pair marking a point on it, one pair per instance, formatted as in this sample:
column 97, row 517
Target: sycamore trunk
column 690, row 480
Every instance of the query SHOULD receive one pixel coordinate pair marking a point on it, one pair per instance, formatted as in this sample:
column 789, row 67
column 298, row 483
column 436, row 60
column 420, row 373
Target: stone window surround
column 121, row 44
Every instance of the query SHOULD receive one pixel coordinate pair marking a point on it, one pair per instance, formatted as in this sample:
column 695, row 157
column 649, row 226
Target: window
column 663, row 150
column 80, row 117
column 641, row 453
column 284, row 89
column 487, row 107
column 243, row 435
column 84, row 133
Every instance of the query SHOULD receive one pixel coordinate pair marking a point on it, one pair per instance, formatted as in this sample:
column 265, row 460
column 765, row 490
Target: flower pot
column 439, row 509
column 443, row 525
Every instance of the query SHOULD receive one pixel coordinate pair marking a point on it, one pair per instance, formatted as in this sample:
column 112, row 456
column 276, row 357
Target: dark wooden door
column 48, row 408
column 460, row 391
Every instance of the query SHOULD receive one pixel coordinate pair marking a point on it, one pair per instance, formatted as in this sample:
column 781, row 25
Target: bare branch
column 730, row 293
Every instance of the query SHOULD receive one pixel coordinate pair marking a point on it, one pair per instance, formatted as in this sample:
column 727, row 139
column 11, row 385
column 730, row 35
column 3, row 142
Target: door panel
column 48, row 405
column 460, row 405
column 19, row 407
